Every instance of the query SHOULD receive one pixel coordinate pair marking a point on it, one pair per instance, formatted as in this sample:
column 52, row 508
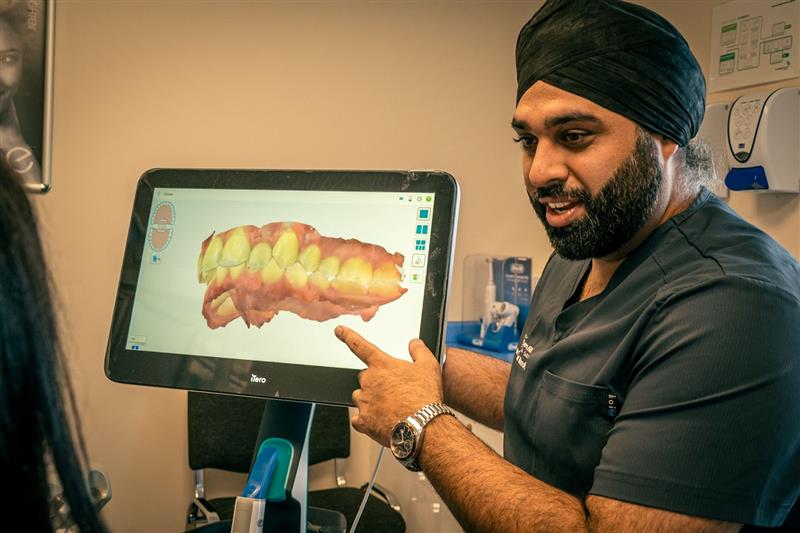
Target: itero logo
column 257, row 379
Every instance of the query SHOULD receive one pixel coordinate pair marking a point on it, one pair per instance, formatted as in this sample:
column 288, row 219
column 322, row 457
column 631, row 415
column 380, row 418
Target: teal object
column 283, row 453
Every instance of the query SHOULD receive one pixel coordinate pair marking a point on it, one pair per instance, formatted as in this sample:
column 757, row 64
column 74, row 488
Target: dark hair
column 38, row 417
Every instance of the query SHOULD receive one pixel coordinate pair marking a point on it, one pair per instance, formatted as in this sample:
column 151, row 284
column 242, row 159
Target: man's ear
column 667, row 146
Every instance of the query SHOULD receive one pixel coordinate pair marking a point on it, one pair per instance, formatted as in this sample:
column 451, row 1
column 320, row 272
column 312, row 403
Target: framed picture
column 26, row 89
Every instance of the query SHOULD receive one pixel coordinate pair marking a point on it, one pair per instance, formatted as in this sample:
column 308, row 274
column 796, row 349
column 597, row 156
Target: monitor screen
column 233, row 281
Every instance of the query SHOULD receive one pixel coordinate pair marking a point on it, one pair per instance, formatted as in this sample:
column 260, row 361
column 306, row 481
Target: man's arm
column 485, row 492
column 475, row 385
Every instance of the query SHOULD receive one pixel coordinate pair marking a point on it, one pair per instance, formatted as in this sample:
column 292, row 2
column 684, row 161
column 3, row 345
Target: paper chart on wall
column 753, row 43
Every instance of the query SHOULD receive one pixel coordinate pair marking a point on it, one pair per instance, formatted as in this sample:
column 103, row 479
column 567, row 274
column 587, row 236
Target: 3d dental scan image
column 254, row 273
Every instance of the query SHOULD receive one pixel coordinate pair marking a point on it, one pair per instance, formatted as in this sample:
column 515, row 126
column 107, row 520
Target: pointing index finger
column 361, row 348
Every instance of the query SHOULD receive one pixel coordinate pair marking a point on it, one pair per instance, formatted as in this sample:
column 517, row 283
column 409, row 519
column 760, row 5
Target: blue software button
column 423, row 213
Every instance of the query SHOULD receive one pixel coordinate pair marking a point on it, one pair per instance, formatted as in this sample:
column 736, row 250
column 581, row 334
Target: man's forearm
column 475, row 385
column 485, row 492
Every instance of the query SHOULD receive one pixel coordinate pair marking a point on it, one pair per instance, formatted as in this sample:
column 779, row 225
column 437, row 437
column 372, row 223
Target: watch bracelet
column 428, row 412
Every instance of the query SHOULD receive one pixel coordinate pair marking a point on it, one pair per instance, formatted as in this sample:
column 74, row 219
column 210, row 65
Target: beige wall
column 275, row 85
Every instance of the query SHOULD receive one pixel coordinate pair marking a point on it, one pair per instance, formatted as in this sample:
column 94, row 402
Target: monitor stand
column 290, row 422
column 284, row 510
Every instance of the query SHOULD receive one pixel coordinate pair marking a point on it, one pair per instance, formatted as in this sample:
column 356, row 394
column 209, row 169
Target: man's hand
column 391, row 389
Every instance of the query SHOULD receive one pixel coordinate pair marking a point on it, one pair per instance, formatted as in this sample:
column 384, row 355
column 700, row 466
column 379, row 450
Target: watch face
column 402, row 443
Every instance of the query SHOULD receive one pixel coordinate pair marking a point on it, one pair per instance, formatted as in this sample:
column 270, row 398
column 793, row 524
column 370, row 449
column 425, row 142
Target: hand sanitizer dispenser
column 764, row 142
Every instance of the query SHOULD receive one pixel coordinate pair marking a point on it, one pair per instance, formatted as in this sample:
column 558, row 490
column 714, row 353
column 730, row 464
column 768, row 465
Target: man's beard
column 612, row 218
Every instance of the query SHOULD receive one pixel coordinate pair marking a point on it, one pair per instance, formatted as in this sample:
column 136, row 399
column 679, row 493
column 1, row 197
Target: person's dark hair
column 38, row 417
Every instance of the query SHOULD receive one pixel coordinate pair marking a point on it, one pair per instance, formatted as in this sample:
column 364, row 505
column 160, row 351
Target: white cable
column 368, row 492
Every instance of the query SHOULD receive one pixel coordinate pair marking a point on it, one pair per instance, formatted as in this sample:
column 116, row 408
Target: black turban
column 620, row 56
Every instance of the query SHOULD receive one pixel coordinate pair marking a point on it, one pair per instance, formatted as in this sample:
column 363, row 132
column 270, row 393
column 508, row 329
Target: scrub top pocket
column 570, row 429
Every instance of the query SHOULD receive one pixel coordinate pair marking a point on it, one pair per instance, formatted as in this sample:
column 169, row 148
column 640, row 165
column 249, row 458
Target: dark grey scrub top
column 678, row 386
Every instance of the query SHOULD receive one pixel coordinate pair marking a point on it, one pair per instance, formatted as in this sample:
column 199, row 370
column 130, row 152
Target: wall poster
column 753, row 42
column 26, row 69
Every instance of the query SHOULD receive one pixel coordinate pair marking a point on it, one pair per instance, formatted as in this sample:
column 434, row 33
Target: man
column 655, row 387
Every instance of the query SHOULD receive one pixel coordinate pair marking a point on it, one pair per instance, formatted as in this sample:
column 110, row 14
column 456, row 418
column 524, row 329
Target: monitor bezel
column 274, row 380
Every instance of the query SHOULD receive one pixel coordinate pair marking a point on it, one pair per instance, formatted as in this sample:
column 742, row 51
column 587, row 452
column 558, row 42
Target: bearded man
column 655, row 384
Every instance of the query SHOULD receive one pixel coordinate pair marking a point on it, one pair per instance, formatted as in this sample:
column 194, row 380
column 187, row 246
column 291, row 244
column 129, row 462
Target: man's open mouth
column 561, row 207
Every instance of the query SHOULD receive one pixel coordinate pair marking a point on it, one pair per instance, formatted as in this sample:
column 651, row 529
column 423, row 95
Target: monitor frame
column 274, row 380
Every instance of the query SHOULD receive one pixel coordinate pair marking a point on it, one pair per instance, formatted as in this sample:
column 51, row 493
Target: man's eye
column 527, row 141
column 574, row 137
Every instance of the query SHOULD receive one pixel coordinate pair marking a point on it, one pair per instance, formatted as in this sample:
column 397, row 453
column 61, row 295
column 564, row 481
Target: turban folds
column 620, row 56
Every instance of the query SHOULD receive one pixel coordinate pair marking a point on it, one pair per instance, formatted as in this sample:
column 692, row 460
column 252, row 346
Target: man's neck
column 598, row 277
column 602, row 268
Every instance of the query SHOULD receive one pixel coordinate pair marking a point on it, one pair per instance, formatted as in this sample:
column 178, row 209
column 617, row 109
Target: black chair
column 222, row 434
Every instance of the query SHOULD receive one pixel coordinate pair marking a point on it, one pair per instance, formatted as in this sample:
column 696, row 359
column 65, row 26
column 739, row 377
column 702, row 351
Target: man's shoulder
column 711, row 243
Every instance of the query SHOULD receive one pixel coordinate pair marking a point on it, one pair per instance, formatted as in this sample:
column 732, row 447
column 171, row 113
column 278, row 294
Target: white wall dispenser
column 763, row 147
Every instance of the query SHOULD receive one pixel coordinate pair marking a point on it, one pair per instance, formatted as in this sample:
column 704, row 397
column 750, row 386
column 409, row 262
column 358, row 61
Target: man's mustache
column 557, row 190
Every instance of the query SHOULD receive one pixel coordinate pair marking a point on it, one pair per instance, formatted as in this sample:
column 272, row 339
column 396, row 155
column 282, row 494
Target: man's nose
column 547, row 166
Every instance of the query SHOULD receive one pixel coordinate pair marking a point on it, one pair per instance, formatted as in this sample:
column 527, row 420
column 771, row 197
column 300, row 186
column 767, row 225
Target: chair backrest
column 223, row 431
column 330, row 434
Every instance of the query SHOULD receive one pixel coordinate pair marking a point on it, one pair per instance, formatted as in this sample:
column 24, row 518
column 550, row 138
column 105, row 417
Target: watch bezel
column 399, row 454
column 416, row 423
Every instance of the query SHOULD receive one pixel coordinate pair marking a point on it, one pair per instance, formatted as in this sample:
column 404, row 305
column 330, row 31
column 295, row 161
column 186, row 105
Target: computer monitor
column 233, row 280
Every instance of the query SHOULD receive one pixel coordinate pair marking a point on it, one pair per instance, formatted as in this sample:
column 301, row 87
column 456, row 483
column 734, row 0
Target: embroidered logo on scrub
column 612, row 405
column 524, row 351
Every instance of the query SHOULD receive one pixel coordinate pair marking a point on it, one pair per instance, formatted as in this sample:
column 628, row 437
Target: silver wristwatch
column 406, row 439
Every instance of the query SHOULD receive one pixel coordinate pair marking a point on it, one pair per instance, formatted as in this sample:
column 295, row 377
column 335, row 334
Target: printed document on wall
column 754, row 42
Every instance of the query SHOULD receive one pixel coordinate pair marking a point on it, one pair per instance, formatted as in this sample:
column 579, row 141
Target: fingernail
column 338, row 331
